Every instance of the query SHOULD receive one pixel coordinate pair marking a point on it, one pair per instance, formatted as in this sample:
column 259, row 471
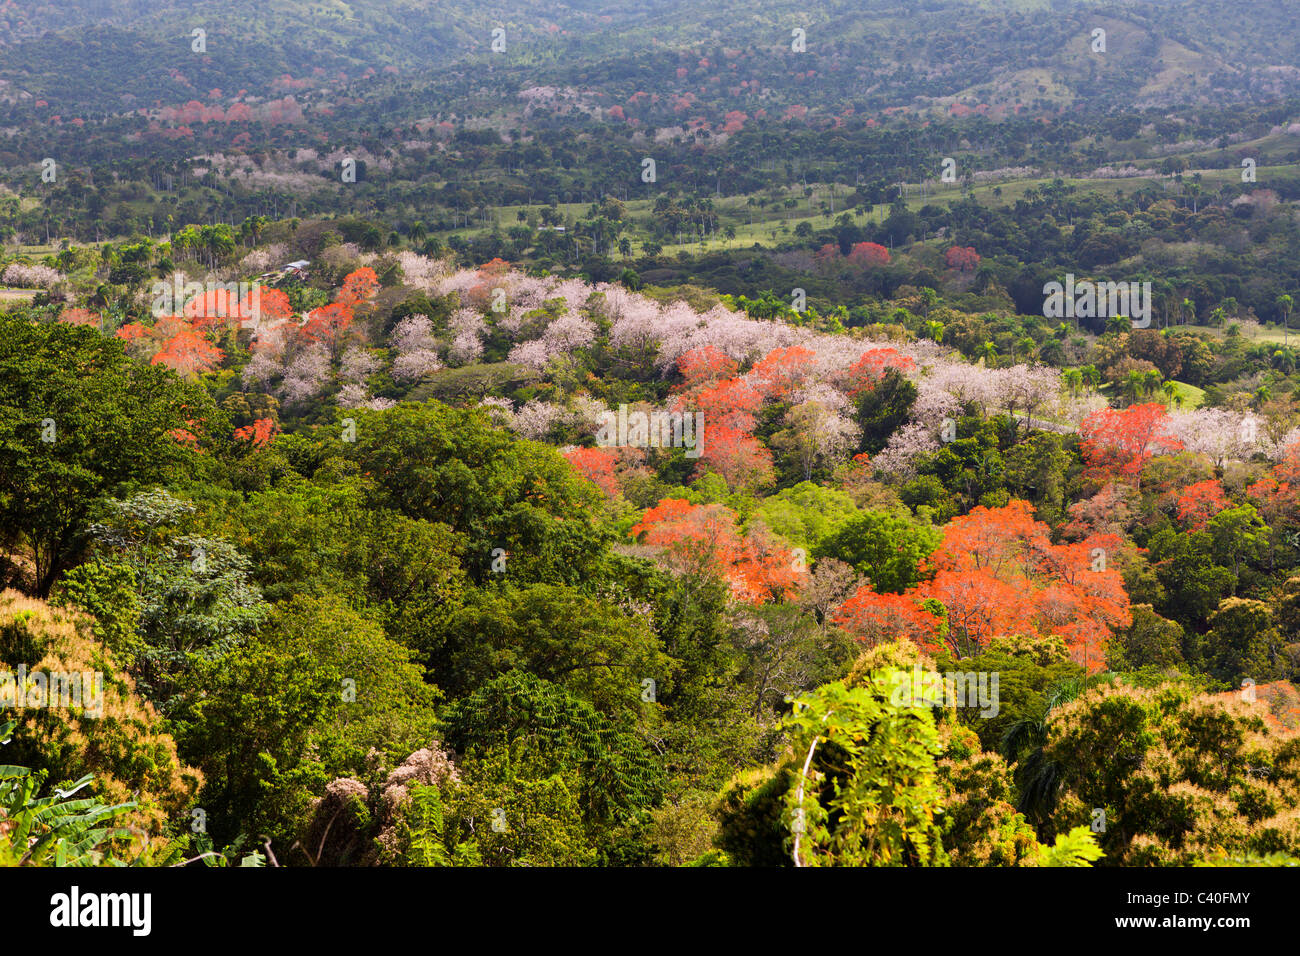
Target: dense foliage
column 429, row 484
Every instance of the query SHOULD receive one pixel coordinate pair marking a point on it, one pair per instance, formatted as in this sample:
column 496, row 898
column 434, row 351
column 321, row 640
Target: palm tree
column 1024, row 744
column 250, row 230
column 1285, row 303
column 218, row 240
column 186, row 242
column 1170, row 389
column 929, row 298
column 1152, row 382
column 935, row 330
column 1134, row 385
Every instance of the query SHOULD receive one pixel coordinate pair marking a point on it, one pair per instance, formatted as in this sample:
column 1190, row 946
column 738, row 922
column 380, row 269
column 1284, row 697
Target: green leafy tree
column 883, row 409
column 886, row 547
column 1076, row 848
column 308, row 699
column 422, row 833
column 556, row 633
column 806, row 513
column 1176, row 774
column 512, row 499
column 518, row 718
column 1193, row 581
column 864, row 792
column 980, row 824
column 1239, row 537
column 1150, row 641
column 108, row 593
column 79, row 421
column 197, row 603
column 517, row 808
column 1243, row 642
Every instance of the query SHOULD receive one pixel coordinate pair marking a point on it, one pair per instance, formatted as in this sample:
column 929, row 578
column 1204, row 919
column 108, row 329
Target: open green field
column 1192, row 397
column 1253, row 333
column 773, row 223
column 1185, row 396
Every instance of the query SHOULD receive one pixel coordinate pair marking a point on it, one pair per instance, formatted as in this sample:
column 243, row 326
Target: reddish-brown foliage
column 188, row 353
column 997, row 573
column 1200, row 502
column 1116, row 443
column 79, row 317
column 869, row 254
column 703, row 539
column 962, row 258
column 259, row 433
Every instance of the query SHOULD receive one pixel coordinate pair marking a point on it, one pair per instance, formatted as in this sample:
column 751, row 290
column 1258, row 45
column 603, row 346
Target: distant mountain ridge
column 113, row 55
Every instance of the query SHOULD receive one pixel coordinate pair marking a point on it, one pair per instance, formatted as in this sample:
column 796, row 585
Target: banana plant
column 54, row 830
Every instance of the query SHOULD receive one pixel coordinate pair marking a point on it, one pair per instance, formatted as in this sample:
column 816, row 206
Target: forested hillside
column 397, row 539
column 708, row 436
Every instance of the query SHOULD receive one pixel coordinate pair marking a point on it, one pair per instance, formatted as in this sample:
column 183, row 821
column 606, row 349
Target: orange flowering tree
column 730, row 407
column 327, row 324
column 222, row 308
column 266, row 305
column 703, row 367
column 703, row 540
column 1278, row 496
column 996, row 573
column 778, row 373
column 1200, row 502
column 597, row 465
column 863, row 375
column 215, row 307
column 868, row 254
column 187, row 352
column 259, row 433
column 359, row 286
column 1116, row 443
